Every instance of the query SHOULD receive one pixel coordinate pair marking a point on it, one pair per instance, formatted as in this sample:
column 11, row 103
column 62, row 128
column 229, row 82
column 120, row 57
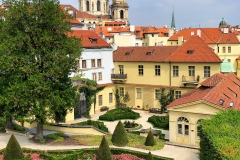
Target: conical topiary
column 119, row 137
column 149, row 156
column 13, row 150
column 104, row 152
column 150, row 139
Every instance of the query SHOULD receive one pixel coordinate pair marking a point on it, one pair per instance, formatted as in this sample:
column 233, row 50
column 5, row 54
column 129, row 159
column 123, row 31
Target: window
column 190, row 51
column 136, row 44
column 110, row 98
column 93, row 40
column 87, row 6
column 183, row 126
column 157, row 70
column 191, row 70
column 121, row 14
column 206, row 71
column 98, row 6
column 94, row 77
column 93, row 63
column 229, row 49
column 223, row 49
column 157, row 94
column 121, row 91
column 84, row 65
column 99, row 63
column 121, row 69
column 99, row 75
column 99, row 100
column 198, row 128
column 139, row 93
column 140, row 70
column 178, row 94
column 175, row 71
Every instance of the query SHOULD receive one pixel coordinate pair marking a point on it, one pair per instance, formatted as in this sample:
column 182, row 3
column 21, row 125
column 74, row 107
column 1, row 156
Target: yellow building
column 223, row 41
column 142, row 71
column 215, row 94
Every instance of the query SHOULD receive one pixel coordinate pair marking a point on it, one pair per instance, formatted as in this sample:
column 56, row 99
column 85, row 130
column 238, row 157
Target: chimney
column 192, row 33
column 180, row 40
column 199, row 32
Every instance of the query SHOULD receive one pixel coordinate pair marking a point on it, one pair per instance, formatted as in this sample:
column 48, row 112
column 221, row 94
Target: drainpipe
column 170, row 73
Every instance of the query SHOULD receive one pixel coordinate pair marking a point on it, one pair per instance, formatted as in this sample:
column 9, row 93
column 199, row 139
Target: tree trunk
column 9, row 123
column 39, row 132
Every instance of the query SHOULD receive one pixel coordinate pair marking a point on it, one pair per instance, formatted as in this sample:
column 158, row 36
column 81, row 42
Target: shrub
column 119, row 113
column 159, row 121
column 98, row 124
column 150, row 139
column 119, row 137
column 104, row 152
column 13, row 149
column 149, row 156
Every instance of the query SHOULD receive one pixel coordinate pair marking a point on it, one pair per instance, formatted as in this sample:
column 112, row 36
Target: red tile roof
column 238, row 58
column 86, row 37
column 217, row 87
column 209, row 35
column 201, row 53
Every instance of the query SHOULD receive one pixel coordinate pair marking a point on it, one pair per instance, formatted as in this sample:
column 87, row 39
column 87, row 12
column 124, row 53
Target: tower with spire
column 173, row 21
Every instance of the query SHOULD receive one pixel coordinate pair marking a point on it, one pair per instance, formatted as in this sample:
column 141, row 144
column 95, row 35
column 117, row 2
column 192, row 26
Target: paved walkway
column 178, row 153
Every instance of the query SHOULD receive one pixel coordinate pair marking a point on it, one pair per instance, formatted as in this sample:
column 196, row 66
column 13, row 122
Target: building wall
column 155, row 41
column 125, row 40
column 238, row 68
column 194, row 113
column 104, row 9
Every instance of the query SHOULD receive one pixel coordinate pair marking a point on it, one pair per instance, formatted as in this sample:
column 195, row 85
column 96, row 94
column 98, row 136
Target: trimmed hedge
column 150, row 139
column 104, row 152
column 220, row 136
column 98, row 124
column 118, row 114
column 159, row 121
column 13, row 149
column 119, row 136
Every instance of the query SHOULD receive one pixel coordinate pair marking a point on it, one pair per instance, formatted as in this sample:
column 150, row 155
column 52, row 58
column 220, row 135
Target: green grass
column 57, row 137
column 135, row 141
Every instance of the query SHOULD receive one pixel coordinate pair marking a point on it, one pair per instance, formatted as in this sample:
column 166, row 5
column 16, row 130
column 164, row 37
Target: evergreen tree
column 149, row 156
column 37, row 55
column 13, row 149
column 104, row 152
column 150, row 139
column 119, row 137
column 166, row 99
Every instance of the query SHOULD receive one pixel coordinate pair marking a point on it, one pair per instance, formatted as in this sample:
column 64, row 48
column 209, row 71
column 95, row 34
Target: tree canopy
column 37, row 55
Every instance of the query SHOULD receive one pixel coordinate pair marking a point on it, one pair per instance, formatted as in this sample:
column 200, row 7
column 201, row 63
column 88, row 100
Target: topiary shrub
column 119, row 137
column 104, row 152
column 159, row 121
column 149, row 156
column 13, row 149
column 150, row 139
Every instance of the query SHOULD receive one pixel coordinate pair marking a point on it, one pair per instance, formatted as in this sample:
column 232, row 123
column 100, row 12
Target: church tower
column 94, row 7
column 119, row 10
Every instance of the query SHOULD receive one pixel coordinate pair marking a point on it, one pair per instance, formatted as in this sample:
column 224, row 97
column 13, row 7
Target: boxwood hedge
column 159, row 121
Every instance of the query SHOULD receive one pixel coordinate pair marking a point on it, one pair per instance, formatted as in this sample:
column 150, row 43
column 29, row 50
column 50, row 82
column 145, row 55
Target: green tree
column 37, row 55
column 120, row 99
column 150, row 139
column 166, row 99
column 13, row 149
column 119, row 137
column 104, row 152
column 149, row 156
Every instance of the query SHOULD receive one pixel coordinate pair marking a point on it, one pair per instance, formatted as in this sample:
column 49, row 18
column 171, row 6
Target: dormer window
column 127, row 53
column 190, row 51
column 93, row 40
column 149, row 53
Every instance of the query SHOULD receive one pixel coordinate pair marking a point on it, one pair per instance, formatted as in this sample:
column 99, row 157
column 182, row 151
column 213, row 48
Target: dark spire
column 173, row 21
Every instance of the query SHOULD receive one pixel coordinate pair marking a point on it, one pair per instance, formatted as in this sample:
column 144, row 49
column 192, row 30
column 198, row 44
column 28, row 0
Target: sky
column 188, row 13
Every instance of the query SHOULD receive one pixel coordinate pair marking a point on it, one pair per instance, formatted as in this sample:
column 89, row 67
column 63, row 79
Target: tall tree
column 166, row 99
column 38, row 53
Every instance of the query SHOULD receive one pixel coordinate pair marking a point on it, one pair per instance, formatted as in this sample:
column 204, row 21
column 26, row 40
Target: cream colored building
column 219, row 92
column 142, row 71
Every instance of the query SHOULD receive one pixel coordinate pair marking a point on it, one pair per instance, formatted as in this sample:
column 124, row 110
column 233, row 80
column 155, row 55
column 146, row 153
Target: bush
column 98, row 124
column 119, row 113
column 13, row 149
column 104, row 152
column 160, row 121
column 150, row 139
column 57, row 137
column 149, row 156
column 119, row 137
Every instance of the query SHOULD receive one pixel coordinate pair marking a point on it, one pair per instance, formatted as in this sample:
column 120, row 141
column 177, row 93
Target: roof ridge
column 208, row 35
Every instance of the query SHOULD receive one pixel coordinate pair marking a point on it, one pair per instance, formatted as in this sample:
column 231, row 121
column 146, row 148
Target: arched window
column 87, row 6
column 98, row 6
column 183, row 126
column 121, row 14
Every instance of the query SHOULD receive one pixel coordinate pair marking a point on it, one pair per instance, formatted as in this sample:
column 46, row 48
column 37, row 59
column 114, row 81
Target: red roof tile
column 238, row 58
column 201, row 52
column 86, row 37
column 222, row 87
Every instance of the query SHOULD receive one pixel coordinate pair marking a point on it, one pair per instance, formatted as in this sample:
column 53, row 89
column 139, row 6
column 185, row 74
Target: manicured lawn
column 135, row 141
